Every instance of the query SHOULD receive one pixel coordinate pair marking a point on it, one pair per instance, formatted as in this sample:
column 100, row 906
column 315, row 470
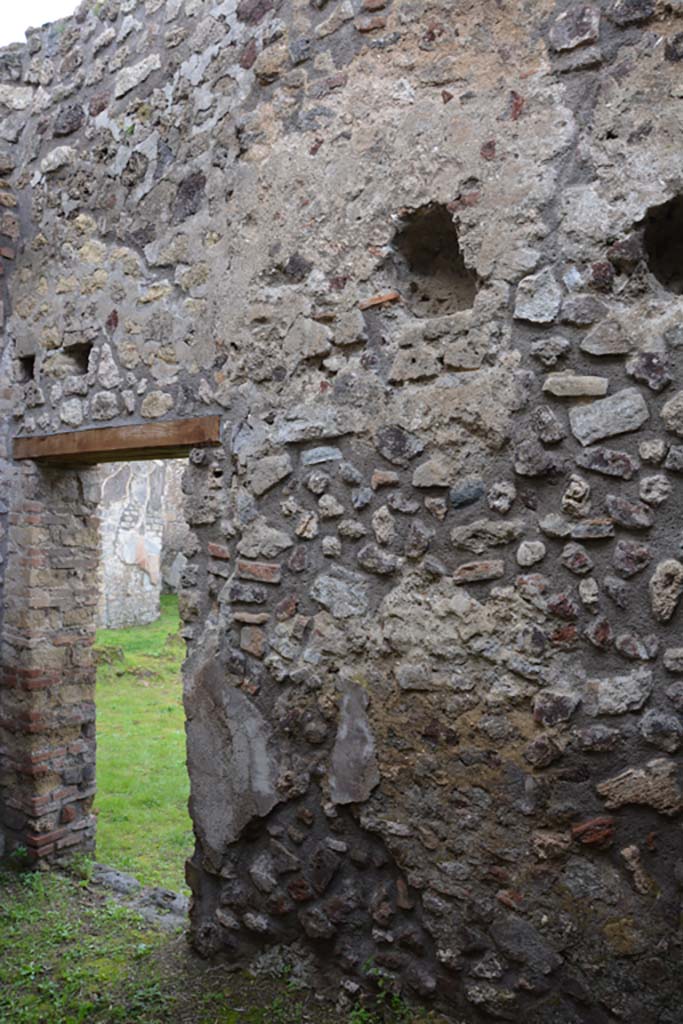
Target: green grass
column 69, row 954
column 143, row 826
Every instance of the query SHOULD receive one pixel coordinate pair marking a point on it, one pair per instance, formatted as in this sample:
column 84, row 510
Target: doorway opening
column 48, row 730
column 143, row 824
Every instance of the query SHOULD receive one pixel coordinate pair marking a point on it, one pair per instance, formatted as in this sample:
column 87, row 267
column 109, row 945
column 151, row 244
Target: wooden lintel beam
column 168, row 439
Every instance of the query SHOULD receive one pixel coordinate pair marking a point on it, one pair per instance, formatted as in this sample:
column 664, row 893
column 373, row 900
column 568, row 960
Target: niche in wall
column 663, row 243
column 429, row 267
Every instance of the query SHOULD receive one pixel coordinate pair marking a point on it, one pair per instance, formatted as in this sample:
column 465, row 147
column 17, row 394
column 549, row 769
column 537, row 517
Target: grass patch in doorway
column 143, row 825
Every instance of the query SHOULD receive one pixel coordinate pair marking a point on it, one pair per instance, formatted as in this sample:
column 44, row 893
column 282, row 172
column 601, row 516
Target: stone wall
column 142, row 532
column 131, row 532
column 424, row 258
column 175, row 529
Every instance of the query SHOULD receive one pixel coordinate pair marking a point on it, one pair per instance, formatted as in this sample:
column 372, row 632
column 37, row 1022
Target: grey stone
column 593, row 529
column 269, row 471
column 674, row 459
column 262, row 541
column 608, row 462
column 375, row 560
column 342, row 592
column 61, row 156
column 606, row 339
column 538, row 298
column 129, row 78
column 575, row 558
column 666, row 588
column 531, row 459
column 631, row 12
column 466, row 492
column 546, row 425
column 630, row 557
column 672, row 414
column 518, row 940
column 583, row 310
column 633, row 515
column 354, row 773
column 655, row 489
column 530, row 552
column 315, row 456
column 104, row 406
column 68, row 120
column 617, row 414
column 501, row 496
column 230, row 760
column 617, row 694
column 617, row 590
column 637, row 648
column 434, row 473
column 570, row 385
column 549, row 350
column 553, row 707
column 478, row 572
column 576, row 497
column 313, row 422
column 662, row 730
column 577, row 26
column 649, row 368
column 673, row 659
column 554, row 525
column 71, row 412
column 486, row 533
column 397, row 445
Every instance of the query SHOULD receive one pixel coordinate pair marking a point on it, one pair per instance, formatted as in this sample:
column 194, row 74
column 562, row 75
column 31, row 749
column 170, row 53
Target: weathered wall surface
column 175, row 532
column 143, row 532
column 131, row 528
column 433, row 685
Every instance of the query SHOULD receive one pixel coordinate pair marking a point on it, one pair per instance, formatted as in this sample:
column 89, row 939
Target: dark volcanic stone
column 609, row 462
column 519, row 941
column 373, row 559
column 631, row 12
column 253, row 11
column 551, row 707
column 600, row 633
column 397, row 445
column 468, row 492
column 316, row 923
column 673, row 48
column 633, row 515
column 637, row 648
column 674, row 460
column 630, row 558
column 531, row 459
column 597, row 738
column 649, row 368
column 617, row 591
column 562, row 606
column 68, row 120
column 247, row 593
column 189, row 197
column 543, row 750
column 575, row 558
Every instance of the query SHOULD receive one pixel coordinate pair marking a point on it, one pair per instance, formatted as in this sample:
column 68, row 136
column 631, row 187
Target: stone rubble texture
column 143, row 532
column 433, row 717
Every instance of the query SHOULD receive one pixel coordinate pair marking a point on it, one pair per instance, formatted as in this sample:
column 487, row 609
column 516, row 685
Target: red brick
column 264, row 572
column 219, row 551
